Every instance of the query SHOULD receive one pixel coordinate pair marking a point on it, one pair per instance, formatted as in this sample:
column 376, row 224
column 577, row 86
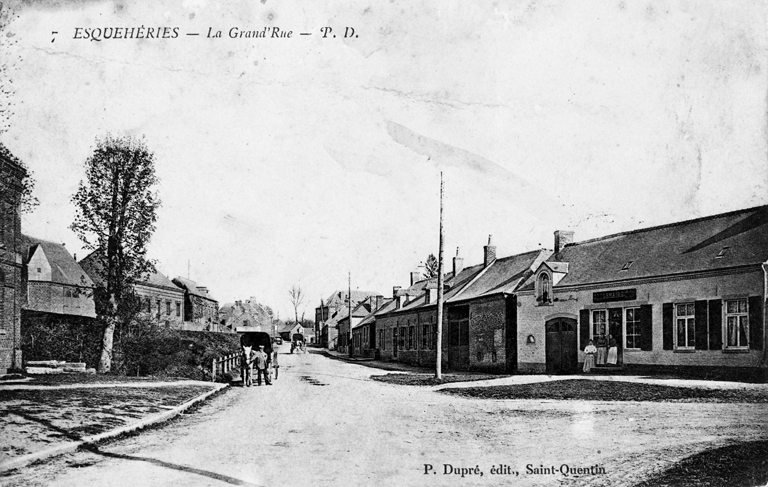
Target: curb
column 141, row 424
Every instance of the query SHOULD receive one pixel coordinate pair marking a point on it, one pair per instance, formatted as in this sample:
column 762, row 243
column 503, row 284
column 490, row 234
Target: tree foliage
column 116, row 210
column 430, row 267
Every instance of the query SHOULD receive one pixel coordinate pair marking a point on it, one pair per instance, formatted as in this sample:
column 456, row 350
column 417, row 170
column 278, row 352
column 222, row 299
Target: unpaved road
column 324, row 423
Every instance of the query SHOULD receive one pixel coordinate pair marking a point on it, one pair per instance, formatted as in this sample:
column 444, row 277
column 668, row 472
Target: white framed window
column 632, row 328
column 685, row 326
column 599, row 324
column 736, row 323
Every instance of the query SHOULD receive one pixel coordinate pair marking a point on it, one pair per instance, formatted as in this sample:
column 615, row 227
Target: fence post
column 213, row 371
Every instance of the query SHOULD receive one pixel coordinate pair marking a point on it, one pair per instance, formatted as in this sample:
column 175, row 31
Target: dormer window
column 626, row 266
column 545, row 289
column 722, row 253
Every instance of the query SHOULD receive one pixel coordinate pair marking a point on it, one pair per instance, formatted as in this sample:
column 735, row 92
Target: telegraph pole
column 439, row 358
column 348, row 338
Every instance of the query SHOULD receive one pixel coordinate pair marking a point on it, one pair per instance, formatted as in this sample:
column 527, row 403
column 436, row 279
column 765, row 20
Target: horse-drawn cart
column 251, row 339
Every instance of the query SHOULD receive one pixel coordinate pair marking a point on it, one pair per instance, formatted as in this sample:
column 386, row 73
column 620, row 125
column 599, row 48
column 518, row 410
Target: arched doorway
column 561, row 349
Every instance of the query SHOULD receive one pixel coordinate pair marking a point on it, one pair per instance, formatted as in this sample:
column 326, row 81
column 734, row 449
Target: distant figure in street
column 602, row 349
column 260, row 361
column 613, row 351
column 274, row 362
column 589, row 359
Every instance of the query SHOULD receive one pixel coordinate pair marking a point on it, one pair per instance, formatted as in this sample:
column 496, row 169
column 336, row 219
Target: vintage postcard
column 263, row 242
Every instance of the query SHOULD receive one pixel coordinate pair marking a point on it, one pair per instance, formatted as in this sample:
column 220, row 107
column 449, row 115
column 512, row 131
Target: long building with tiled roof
column 688, row 295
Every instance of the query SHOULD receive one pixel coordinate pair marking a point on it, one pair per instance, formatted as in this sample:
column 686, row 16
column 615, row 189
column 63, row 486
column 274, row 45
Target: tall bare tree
column 297, row 298
column 115, row 216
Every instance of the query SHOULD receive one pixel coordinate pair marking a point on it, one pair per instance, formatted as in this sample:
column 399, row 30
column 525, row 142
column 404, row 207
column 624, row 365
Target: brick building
column 161, row 300
column 684, row 296
column 12, row 175
column 364, row 343
column 201, row 310
column 332, row 307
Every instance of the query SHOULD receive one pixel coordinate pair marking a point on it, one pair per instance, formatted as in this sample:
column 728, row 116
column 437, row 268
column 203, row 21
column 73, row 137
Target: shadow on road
column 92, row 448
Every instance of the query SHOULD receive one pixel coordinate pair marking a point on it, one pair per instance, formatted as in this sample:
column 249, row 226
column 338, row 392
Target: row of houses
column 689, row 295
column 41, row 281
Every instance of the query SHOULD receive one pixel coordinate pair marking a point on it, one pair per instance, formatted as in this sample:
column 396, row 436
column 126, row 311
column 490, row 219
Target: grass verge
column 743, row 464
column 428, row 380
column 598, row 390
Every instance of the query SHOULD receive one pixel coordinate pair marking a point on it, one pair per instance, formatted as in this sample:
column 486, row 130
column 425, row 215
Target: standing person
column 589, row 359
column 602, row 349
column 274, row 361
column 613, row 351
column 260, row 361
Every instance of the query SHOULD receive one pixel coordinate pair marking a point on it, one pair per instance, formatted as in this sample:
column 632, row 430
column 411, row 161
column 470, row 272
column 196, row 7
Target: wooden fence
column 224, row 364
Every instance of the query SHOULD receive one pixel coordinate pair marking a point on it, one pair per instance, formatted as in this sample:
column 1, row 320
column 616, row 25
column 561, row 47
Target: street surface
column 325, row 423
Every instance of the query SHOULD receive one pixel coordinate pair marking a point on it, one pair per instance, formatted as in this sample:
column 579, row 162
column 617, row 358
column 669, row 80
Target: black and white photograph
column 353, row 243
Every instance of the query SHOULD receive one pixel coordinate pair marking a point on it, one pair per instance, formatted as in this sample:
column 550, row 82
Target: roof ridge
column 667, row 225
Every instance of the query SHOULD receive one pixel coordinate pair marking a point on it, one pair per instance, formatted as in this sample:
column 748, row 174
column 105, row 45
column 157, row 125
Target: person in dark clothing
column 260, row 362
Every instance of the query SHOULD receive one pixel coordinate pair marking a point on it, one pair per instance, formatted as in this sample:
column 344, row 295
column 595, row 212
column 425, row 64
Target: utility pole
column 439, row 351
column 348, row 338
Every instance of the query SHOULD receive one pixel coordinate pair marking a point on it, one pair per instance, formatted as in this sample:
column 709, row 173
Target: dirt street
column 324, row 423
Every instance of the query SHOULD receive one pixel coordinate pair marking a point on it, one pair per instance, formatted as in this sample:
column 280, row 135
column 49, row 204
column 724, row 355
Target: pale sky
column 296, row 161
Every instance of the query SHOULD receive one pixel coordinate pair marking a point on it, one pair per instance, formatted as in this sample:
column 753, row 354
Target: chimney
column 458, row 264
column 415, row 276
column 395, row 290
column 490, row 253
column 562, row 238
column 252, row 299
column 377, row 302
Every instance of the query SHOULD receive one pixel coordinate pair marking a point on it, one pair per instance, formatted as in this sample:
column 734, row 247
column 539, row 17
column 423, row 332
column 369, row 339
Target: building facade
column 162, row 300
column 12, row 175
column 201, row 310
column 56, row 283
column 688, row 296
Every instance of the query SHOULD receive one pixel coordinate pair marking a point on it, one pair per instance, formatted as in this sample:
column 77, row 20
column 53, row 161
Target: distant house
column 290, row 329
column 201, row 310
column 364, row 342
column 56, row 283
column 333, row 306
column 11, row 287
column 345, row 324
column 248, row 313
column 162, row 301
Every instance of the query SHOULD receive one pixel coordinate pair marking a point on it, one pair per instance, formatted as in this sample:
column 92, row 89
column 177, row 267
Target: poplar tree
column 116, row 210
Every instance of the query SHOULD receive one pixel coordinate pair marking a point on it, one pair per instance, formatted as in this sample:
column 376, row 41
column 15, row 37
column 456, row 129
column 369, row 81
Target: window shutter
column 700, row 318
column 666, row 312
column 715, row 324
column 584, row 327
column 755, row 323
column 646, row 327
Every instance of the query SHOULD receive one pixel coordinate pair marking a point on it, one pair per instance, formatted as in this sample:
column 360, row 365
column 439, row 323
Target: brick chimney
column 458, row 263
column 395, row 289
column 562, row 238
column 376, row 302
column 490, row 253
column 415, row 276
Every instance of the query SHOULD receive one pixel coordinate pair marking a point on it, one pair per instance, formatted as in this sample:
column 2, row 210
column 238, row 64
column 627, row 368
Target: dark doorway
column 561, row 350
column 458, row 335
column 511, row 335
